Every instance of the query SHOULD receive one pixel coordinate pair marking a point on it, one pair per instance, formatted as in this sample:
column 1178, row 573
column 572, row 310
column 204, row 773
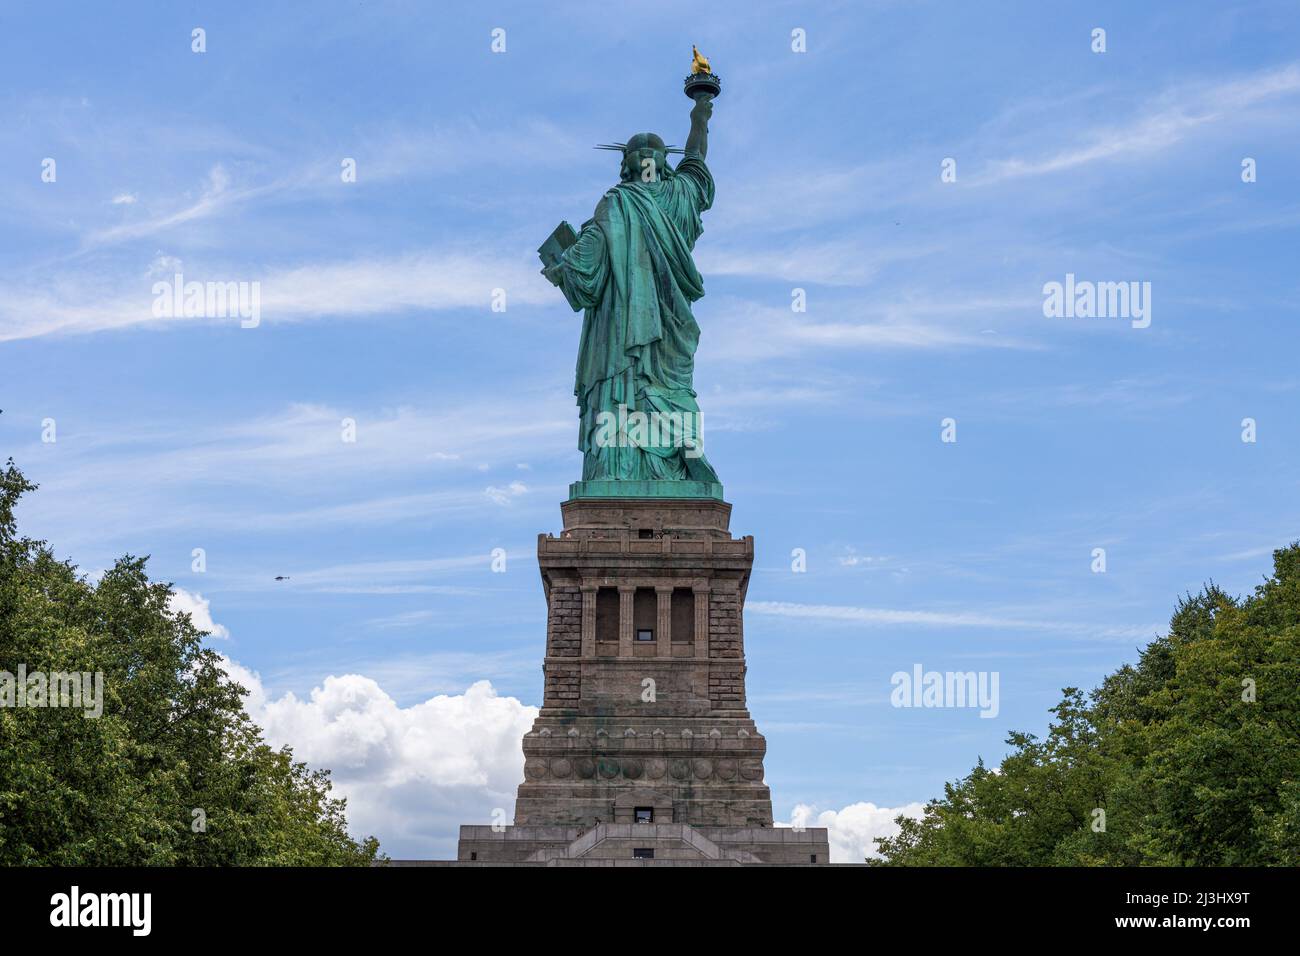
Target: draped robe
column 632, row 274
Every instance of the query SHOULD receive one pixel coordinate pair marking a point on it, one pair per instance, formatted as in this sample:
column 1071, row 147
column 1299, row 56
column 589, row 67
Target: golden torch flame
column 699, row 63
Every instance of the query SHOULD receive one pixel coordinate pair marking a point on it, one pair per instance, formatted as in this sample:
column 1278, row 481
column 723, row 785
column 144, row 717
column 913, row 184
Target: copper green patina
column 630, row 271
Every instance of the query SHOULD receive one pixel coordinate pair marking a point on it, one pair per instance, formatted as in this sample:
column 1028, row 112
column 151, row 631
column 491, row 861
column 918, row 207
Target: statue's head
column 638, row 149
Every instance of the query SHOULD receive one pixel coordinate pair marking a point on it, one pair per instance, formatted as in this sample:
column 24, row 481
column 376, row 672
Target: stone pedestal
column 643, row 718
column 642, row 844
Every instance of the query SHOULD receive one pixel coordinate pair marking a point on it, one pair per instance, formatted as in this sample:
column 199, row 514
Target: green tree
column 173, row 772
column 1192, row 754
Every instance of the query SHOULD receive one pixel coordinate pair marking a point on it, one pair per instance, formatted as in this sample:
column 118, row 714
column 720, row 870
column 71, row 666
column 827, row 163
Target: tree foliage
column 1193, row 755
column 173, row 738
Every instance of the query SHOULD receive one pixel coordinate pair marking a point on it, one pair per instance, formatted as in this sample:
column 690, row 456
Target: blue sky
column 924, row 302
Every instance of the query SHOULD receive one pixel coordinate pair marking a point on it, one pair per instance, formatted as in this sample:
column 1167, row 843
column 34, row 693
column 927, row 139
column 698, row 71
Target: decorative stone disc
column 586, row 768
column 703, row 768
column 679, row 769
column 656, row 768
column 535, row 769
column 561, row 767
column 751, row 769
column 632, row 769
column 607, row 768
column 727, row 769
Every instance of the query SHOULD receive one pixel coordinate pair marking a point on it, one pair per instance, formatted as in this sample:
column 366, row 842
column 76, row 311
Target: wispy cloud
column 263, row 475
column 424, row 281
column 214, row 195
column 845, row 260
column 746, row 331
column 896, row 617
column 1163, row 123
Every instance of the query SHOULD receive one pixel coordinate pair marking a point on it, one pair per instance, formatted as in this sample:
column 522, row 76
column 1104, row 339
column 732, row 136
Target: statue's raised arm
column 697, row 141
column 701, row 86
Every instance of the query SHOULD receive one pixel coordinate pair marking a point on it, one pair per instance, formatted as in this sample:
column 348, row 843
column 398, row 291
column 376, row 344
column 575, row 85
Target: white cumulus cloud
column 411, row 775
column 199, row 610
column 853, row 829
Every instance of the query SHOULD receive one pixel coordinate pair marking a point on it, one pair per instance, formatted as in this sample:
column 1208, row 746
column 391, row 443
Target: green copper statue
column 630, row 271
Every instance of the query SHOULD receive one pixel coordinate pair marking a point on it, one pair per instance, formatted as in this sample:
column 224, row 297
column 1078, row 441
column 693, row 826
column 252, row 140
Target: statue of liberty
column 630, row 271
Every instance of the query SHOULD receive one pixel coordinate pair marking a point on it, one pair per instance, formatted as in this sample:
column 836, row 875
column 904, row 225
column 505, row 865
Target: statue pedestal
column 643, row 751
column 644, row 703
column 642, row 844
column 644, row 744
